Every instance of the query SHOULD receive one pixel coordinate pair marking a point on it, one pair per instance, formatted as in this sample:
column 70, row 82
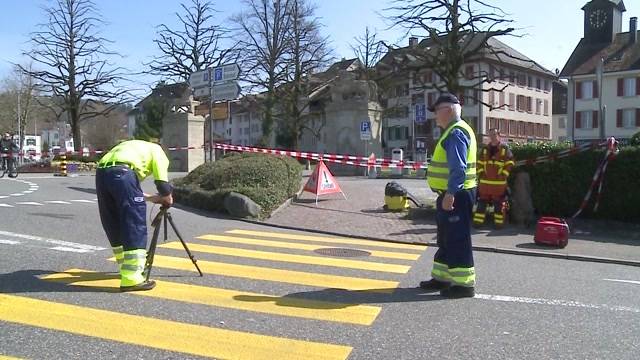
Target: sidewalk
column 362, row 215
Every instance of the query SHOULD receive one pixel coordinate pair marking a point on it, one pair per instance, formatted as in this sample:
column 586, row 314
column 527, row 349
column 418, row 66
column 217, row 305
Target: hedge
column 559, row 187
column 266, row 179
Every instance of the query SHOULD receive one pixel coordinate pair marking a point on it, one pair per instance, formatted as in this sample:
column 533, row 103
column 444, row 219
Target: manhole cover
column 341, row 252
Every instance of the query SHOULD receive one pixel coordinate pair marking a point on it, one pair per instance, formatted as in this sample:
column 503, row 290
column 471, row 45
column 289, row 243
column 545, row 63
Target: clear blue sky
column 553, row 27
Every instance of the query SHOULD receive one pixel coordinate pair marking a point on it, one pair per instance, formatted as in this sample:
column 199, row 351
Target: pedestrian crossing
column 253, row 272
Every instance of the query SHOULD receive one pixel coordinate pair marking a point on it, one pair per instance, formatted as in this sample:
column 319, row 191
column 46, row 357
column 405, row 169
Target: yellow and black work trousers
column 453, row 262
column 499, row 212
column 123, row 215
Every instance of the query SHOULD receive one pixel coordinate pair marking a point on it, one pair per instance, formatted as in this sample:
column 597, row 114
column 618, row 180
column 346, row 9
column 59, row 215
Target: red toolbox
column 552, row 231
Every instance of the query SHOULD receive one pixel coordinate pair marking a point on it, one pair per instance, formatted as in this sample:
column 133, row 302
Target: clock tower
column 602, row 20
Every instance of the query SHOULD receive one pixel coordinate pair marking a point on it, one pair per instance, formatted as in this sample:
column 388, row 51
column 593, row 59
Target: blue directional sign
column 421, row 113
column 217, row 76
column 365, row 130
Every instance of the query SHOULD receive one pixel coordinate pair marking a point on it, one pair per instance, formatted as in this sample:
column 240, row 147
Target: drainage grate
column 341, row 252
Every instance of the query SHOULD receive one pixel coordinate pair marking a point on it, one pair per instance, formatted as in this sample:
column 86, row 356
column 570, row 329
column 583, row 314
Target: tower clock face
column 597, row 19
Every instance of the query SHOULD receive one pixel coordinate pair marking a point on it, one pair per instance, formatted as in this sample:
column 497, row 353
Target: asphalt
column 526, row 308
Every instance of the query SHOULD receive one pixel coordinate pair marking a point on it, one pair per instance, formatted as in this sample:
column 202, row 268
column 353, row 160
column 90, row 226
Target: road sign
column 365, row 130
column 226, row 91
column 226, row 73
column 420, row 113
column 199, row 79
column 221, row 74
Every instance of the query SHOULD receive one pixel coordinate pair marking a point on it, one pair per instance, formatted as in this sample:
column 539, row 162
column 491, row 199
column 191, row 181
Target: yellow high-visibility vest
column 438, row 170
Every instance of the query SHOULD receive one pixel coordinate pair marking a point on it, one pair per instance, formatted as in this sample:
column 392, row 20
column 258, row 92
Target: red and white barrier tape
column 598, row 177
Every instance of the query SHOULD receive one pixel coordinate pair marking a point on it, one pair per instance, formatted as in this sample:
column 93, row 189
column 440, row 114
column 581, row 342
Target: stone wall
column 184, row 129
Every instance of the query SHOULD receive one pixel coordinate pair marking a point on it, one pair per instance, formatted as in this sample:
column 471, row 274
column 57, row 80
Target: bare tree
column 70, row 63
column 459, row 31
column 308, row 53
column 265, row 39
column 20, row 103
column 368, row 49
column 197, row 43
column 104, row 131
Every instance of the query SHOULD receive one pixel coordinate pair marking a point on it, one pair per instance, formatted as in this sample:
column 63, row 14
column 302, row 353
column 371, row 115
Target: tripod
column 164, row 217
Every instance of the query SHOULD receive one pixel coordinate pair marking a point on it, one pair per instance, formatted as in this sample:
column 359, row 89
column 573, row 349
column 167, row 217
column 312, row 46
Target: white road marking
column 52, row 241
column 69, row 249
column 6, row 205
column 623, row 281
column 82, row 201
column 29, row 203
column 17, row 194
column 3, row 197
column 9, row 242
column 553, row 302
column 58, row 202
column 28, row 191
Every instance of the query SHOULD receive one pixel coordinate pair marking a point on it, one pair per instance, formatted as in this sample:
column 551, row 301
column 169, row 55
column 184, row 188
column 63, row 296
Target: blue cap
column 444, row 98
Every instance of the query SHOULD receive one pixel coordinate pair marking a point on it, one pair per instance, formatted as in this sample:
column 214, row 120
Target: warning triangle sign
column 322, row 182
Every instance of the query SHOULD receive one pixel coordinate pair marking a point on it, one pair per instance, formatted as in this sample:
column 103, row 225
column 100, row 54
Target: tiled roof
column 620, row 55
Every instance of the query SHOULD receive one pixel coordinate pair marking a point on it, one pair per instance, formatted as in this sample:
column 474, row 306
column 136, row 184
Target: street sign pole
column 211, row 159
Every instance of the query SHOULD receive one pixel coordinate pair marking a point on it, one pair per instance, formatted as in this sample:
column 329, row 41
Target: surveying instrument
column 163, row 218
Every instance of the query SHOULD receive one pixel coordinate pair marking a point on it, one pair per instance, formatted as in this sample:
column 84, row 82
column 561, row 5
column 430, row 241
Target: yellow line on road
column 161, row 334
column 326, row 239
column 300, row 246
column 286, row 306
column 277, row 275
column 3, row 357
column 291, row 258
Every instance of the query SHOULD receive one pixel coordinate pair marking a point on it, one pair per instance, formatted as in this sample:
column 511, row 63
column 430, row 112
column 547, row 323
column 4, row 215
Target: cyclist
column 7, row 150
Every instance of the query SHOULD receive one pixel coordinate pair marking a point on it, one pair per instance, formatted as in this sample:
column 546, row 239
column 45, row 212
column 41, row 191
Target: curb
column 573, row 257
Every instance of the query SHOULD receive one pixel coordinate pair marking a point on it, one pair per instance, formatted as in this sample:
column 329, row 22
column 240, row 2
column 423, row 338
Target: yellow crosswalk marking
column 277, row 275
column 326, row 239
column 287, row 306
column 161, row 334
column 298, row 259
column 300, row 246
column 3, row 357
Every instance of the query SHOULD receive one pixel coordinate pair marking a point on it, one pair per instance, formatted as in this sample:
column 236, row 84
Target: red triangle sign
column 322, row 182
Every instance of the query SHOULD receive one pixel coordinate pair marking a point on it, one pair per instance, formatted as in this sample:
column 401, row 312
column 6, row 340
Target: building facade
column 511, row 93
column 603, row 76
column 559, row 111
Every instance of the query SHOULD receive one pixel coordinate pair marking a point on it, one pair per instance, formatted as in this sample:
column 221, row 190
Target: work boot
column 143, row 286
column 433, row 285
column 457, row 292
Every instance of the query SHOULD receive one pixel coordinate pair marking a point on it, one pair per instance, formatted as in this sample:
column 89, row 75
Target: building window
column 547, row 85
column 546, row 107
column 629, row 87
column 539, row 84
column 512, row 101
column 501, row 103
column 521, row 128
column 586, row 120
column 546, row 131
column 529, row 104
column 513, row 127
column 492, row 98
column 504, row 126
column 538, row 106
column 587, row 90
column 522, row 79
column 470, row 96
column 530, row 81
column 562, row 123
column 469, row 72
column 512, row 77
column 629, row 118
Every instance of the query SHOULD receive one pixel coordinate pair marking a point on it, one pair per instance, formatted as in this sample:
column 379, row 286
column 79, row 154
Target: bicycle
column 9, row 165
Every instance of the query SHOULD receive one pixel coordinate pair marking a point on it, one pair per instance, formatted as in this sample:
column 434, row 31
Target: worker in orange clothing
column 495, row 162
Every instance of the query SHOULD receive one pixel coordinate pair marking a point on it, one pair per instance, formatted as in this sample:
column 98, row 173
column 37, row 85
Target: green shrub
column 559, row 187
column 266, row 179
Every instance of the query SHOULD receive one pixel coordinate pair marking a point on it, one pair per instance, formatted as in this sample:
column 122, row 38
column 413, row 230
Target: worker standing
column 452, row 174
column 122, row 204
column 495, row 162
